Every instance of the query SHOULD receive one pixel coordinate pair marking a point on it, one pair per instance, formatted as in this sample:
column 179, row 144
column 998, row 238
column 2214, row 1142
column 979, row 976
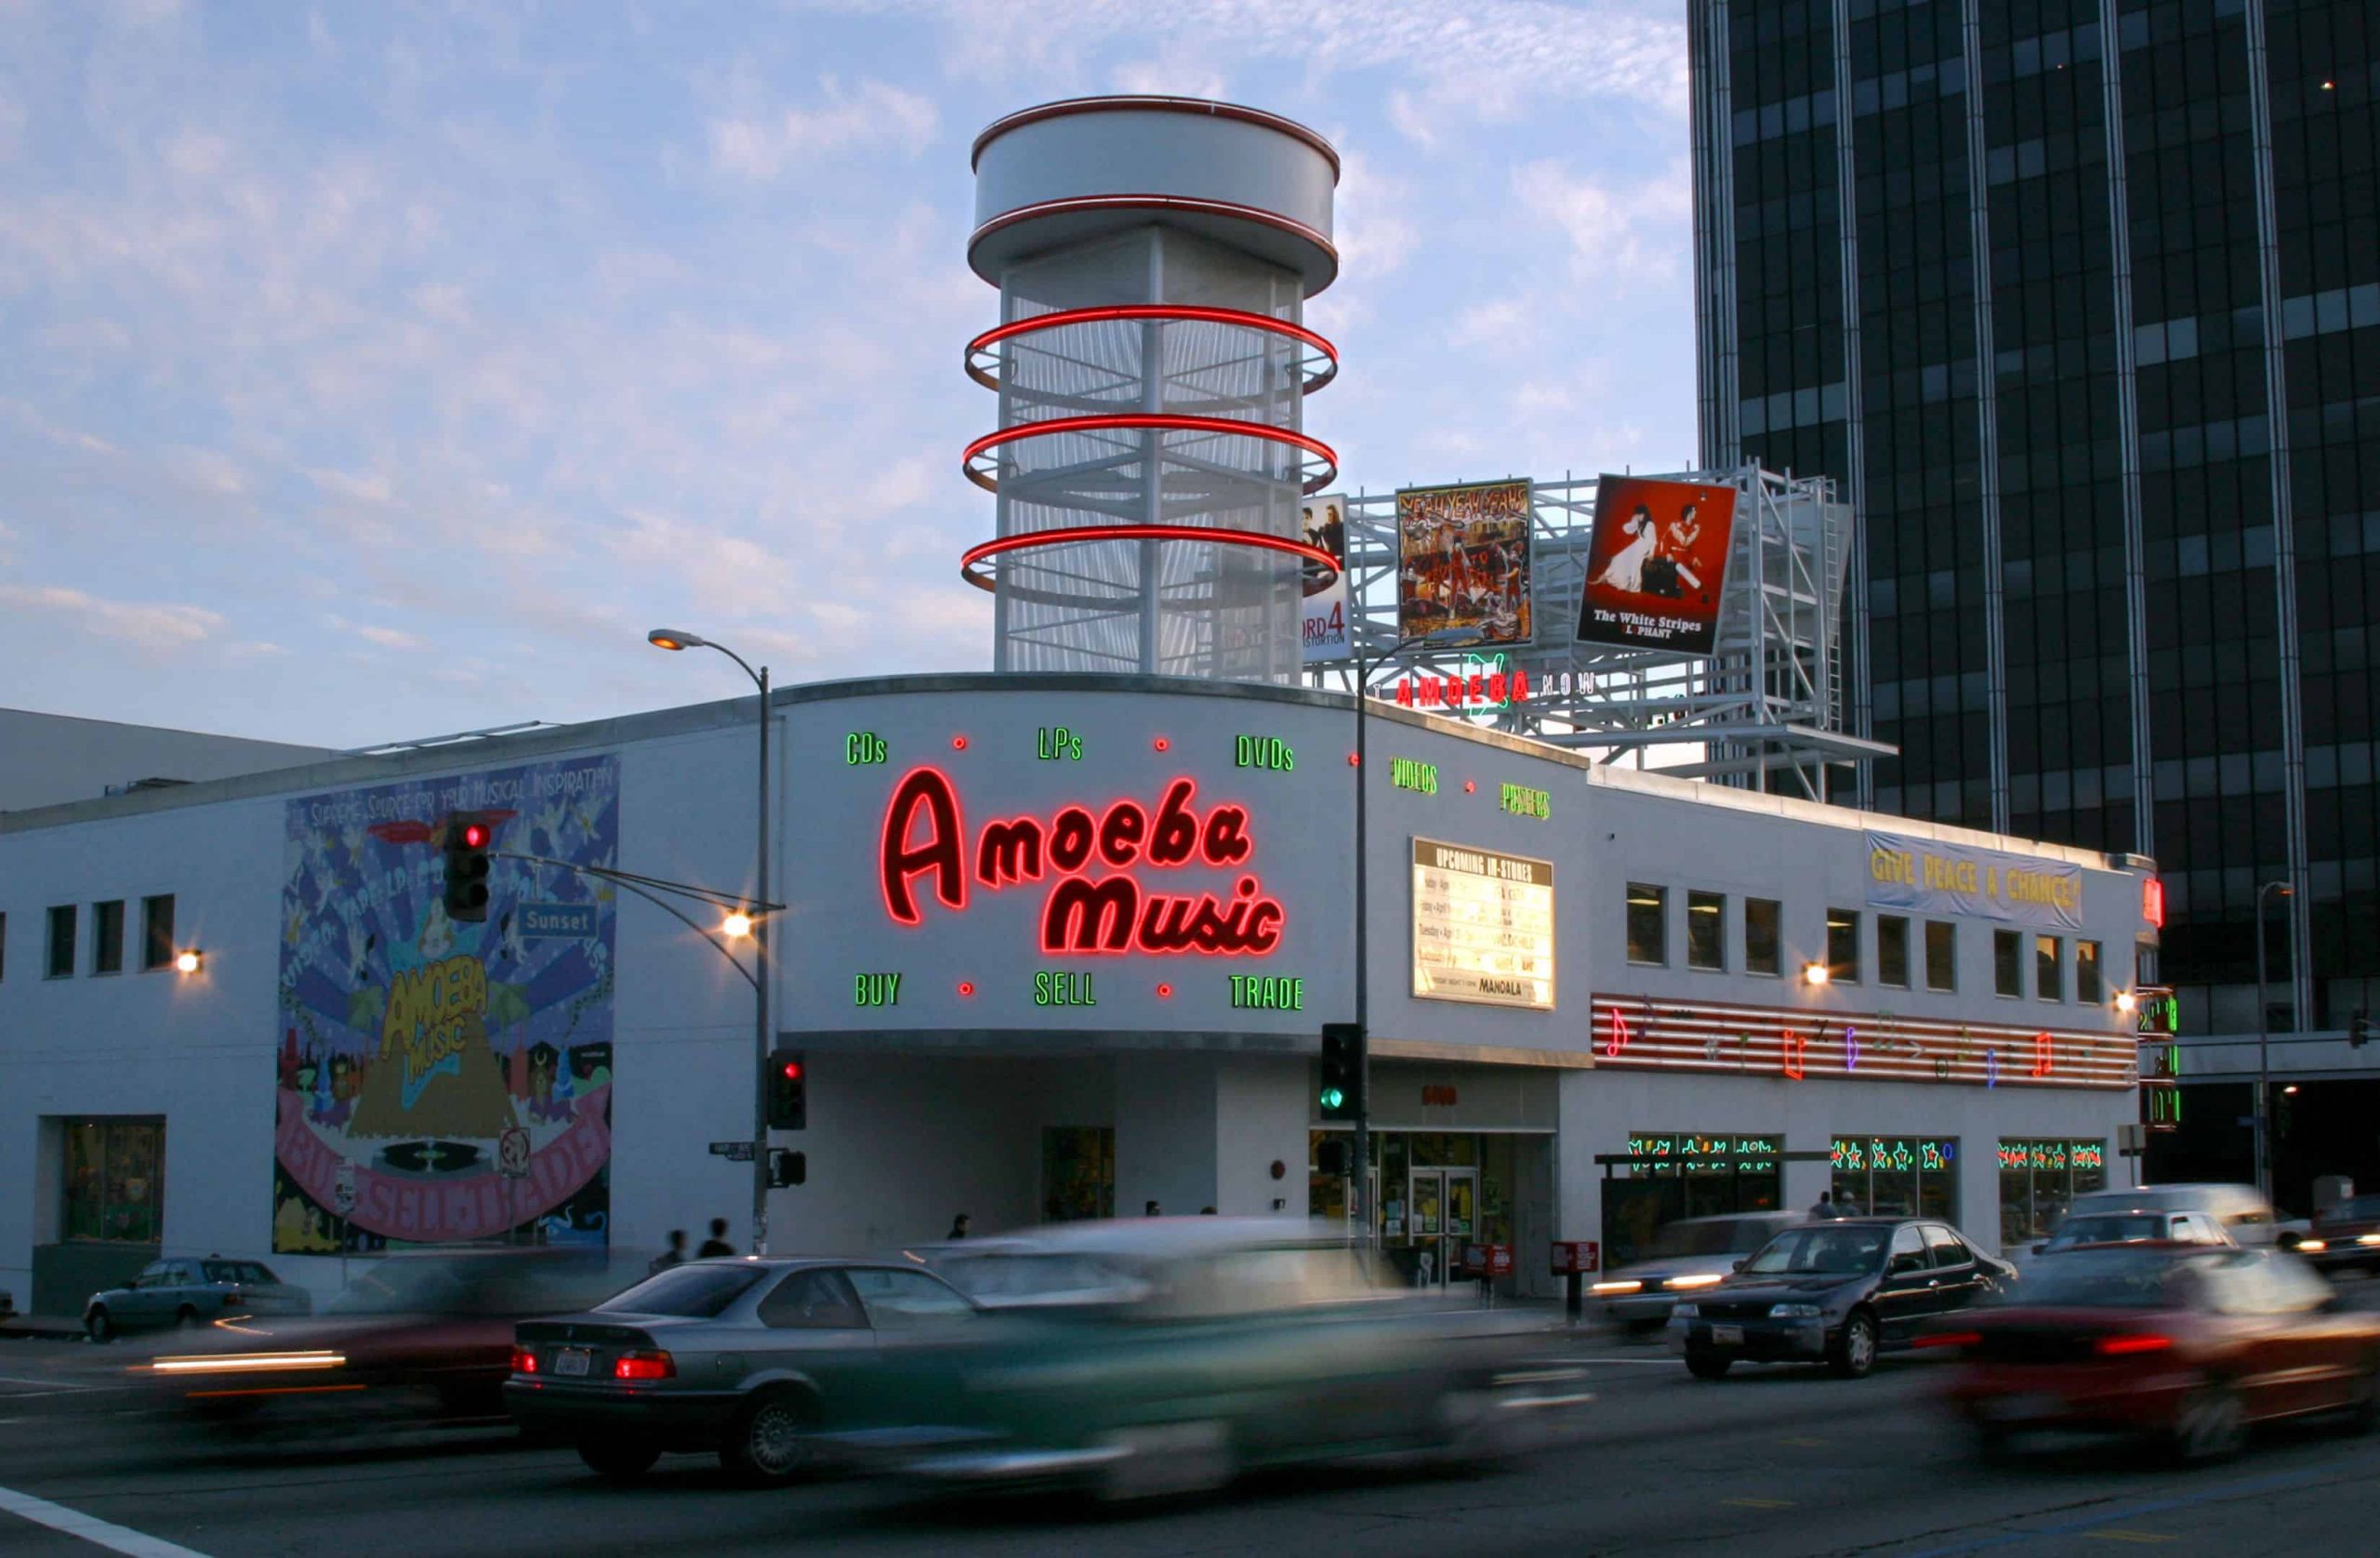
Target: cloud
column 385, row 637
column 146, row 624
column 761, row 146
column 1619, row 235
column 1169, row 75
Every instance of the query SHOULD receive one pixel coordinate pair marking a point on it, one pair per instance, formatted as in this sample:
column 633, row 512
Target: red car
column 2183, row 1343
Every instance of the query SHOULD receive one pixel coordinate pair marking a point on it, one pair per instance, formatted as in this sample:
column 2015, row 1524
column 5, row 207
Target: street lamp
column 1444, row 638
column 2264, row 1043
column 755, row 925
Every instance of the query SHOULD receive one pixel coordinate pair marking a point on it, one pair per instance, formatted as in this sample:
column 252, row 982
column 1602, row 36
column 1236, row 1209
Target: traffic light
column 788, row 1090
column 1342, row 1090
column 787, row 1167
column 2359, row 1028
column 469, row 834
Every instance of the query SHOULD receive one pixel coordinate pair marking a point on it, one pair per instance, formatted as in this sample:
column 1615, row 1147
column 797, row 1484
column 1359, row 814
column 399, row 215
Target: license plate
column 571, row 1360
column 1727, row 1336
column 2020, row 1408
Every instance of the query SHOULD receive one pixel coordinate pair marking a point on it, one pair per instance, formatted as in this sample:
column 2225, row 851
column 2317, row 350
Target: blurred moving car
column 1694, row 1253
column 2240, row 1209
column 1004, row 1274
column 185, row 1292
column 2344, row 1236
column 2140, row 1225
column 749, row 1358
column 2183, row 1343
column 409, row 1330
column 1837, row 1291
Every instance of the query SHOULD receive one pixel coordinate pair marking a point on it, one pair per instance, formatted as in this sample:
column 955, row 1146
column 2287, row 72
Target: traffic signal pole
column 1362, row 1166
column 761, row 996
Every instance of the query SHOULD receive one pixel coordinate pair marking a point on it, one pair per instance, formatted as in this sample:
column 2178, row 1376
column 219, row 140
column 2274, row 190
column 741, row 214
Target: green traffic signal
column 1333, row 1098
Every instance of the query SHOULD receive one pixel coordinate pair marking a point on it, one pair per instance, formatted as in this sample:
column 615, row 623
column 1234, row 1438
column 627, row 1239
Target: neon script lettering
column 925, row 837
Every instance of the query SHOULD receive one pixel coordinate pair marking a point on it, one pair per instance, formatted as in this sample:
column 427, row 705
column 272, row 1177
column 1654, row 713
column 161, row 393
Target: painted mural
column 442, row 1082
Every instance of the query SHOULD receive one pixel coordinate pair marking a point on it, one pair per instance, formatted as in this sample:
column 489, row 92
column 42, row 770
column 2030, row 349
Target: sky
column 371, row 372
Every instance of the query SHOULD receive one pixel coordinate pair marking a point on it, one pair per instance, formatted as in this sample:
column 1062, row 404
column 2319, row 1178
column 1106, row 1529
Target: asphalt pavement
column 1768, row 1462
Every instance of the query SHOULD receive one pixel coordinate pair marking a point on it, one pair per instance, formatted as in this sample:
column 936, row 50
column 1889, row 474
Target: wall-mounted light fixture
column 1815, row 973
column 190, row 960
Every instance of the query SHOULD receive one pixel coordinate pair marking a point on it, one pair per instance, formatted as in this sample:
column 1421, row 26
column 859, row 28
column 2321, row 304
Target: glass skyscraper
column 2080, row 300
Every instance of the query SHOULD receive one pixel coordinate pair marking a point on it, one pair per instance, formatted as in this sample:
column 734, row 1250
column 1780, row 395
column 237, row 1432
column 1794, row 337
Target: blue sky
column 378, row 371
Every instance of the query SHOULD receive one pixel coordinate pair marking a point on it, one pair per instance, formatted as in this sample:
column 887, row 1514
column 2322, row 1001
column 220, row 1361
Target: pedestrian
column 1150, row 1210
column 1826, row 1210
column 958, row 1227
column 1206, row 1211
column 674, row 1256
column 717, row 1243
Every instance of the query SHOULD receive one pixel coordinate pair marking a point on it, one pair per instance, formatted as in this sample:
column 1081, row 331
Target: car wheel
column 767, row 1442
column 1708, row 1366
column 2213, row 1425
column 619, row 1459
column 185, row 1317
column 98, row 1327
column 1854, row 1353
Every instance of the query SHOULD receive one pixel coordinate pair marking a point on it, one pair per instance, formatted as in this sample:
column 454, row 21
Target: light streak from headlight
column 1621, row 1287
column 1704, row 1279
column 249, row 1363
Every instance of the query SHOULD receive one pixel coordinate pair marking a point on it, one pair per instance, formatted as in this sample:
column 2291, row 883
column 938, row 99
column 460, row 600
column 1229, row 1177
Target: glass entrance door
column 1445, row 1217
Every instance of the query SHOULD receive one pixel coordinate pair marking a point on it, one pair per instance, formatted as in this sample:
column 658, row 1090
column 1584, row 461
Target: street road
column 1765, row 1463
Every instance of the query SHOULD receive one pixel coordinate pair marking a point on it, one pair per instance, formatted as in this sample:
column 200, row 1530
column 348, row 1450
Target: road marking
column 13, row 1380
column 90, row 1528
column 1760, row 1503
column 2117, row 1533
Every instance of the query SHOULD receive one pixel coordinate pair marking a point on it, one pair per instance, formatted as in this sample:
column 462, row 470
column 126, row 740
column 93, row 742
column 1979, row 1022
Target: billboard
column 439, row 1082
column 1322, row 632
column 1483, row 925
column 1657, row 568
column 1463, row 560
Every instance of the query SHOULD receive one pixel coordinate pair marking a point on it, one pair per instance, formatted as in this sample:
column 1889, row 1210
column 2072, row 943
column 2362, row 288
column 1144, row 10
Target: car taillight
column 2127, row 1346
column 644, row 1365
column 1949, row 1339
column 524, row 1360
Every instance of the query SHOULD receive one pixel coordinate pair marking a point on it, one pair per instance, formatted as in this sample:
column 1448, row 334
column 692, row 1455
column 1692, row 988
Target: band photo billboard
column 1463, row 560
column 443, row 1081
column 1322, row 631
column 1657, row 568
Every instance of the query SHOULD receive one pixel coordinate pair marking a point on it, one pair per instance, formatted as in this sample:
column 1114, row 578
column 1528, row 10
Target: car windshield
column 1716, row 1236
column 2109, row 1279
column 698, row 1292
column 485, row 1284
column 2108, row 1228
column 236, row 1270
column 1821, row 1249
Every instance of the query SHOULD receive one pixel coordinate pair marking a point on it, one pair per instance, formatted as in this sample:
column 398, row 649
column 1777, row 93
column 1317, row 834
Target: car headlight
column 2314, row 1245
column 1700, row 1279
column 1685, row 1312
column 1793, row 1312
column 2368, row 1238
column 1624, row 1284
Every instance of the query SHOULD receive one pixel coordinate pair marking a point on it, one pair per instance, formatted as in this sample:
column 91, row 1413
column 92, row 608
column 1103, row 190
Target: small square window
column 1941, row 955
column 1706, row 931
column 2086, row 973
column 157, row 931
column 2007, row 963
column 1843, row 946
column 1892, row 951
column 106, row 937
column 2049, row 967
column 61, row 942
column 1764, row 938
column 1648, row 917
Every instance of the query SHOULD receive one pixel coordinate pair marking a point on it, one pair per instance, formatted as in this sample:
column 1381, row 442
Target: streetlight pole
column 2264, row 1044
column 671, row 639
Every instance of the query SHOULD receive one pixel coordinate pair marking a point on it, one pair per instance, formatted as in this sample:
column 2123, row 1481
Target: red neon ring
column 1078, row 534
column 1150, row 420
column 982, row 344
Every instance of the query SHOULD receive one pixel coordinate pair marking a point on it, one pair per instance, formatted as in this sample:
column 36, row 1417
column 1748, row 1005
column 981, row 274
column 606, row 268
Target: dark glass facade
column 2029, row 277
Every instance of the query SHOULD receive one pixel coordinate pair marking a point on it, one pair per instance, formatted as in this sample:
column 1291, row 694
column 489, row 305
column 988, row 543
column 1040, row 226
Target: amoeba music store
column 1055, row 946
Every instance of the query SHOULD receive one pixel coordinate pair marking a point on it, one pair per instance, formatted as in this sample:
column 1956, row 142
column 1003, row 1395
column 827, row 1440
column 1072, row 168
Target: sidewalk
column 40, row 1327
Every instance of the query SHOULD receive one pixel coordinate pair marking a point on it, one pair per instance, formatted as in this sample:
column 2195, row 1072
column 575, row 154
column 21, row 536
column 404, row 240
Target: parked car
column 2344, row 1236
column 411, row 1330
column 2240, row 1208
column 1837, row 1292
column 1687, row 1255
column 2139, row 1225
column 2183, row 1343
column 189, row 1292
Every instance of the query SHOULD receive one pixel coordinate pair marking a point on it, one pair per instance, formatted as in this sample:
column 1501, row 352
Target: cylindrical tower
column 1153, row 256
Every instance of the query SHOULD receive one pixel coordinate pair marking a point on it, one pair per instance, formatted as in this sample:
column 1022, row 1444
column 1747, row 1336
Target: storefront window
column 1683, row 1174
column 2040, row 1178
column 1078, row 1172
column 1897, row 1176
column 115, row 1182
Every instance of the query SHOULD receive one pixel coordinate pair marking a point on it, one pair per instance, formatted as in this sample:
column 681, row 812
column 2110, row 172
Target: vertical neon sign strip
column 1991, row 1068
column 1850, row 1047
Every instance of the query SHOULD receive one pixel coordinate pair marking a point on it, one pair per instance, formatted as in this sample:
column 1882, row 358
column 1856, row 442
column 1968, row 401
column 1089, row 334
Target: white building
column 1567, row 964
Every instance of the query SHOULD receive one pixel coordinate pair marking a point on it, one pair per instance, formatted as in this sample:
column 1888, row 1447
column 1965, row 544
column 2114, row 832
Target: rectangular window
column 2049, row 967
column 1892, row 951
column 1843, row 946
column 1941, row 955
column 2007, row 962
column 1895, row 1176
column 1764, row 938
column 61, row 942
column 2038, row 1179
column 157, row 931
column 107, row 936
column 1706, row 931
column 2086, row 973
column 1648, row 913
column 114, row 1182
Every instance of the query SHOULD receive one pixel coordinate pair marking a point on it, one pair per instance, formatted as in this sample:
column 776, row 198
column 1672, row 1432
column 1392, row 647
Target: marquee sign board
column 1483, row 925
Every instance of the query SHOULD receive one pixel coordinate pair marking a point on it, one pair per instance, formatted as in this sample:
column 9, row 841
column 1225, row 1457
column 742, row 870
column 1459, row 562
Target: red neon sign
column 1797, row 1054
column 2152, row 900
column 1619, row 1040
column 925, row 836
column 2044, row 1054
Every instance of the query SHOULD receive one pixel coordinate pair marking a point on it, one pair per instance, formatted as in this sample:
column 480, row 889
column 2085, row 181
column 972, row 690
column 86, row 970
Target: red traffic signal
column 788, row 1090
column 793, row 1071
column 475, row 836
